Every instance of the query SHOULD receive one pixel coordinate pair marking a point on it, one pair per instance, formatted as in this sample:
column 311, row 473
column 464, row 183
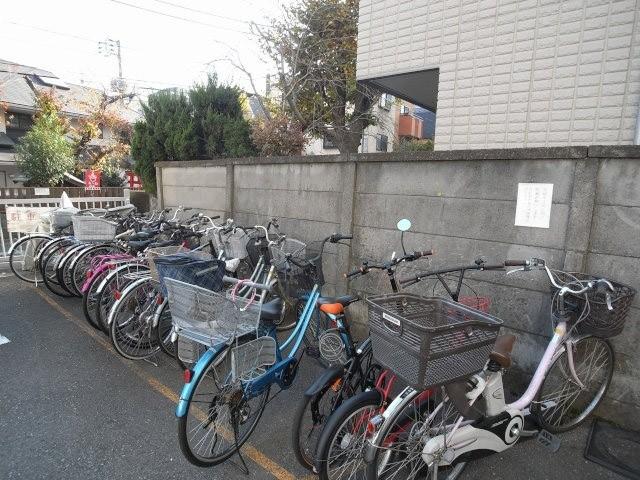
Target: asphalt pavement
column 71, row 408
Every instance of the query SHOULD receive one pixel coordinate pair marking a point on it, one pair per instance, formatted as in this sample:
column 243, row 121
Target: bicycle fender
column 198, row 370
column 328, row 376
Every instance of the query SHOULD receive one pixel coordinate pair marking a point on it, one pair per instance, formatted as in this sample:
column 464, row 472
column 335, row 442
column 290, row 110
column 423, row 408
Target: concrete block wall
column 513, row 73
column 462, row 204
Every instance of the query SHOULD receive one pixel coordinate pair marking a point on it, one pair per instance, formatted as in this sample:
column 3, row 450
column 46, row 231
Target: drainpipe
column 636, row 137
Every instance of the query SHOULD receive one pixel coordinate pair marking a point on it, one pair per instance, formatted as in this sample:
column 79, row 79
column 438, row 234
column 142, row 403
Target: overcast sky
column 157, row 50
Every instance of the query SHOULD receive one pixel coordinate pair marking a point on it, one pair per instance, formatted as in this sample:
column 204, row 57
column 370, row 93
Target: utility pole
column 112, row 48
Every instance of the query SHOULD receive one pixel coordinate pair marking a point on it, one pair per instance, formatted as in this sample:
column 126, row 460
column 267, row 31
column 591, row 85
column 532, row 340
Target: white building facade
column 509, row 73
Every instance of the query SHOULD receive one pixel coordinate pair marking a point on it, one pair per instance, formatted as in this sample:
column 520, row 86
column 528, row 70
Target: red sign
column 134, row 180
column 91, row 180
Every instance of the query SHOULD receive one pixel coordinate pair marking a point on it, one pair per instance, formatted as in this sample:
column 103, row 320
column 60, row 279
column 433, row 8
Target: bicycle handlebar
column 410, row 257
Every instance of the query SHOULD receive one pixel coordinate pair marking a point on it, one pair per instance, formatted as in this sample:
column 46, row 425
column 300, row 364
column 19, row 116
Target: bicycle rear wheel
column 219, row 418
column 82, row 263
column 23, row 257
column 561, row 403
column 164, row 329
column 50, row 269
column 90, row 299
column 131, row 327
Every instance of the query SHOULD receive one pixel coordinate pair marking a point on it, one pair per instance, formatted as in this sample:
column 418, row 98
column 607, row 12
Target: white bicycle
column 418, row 438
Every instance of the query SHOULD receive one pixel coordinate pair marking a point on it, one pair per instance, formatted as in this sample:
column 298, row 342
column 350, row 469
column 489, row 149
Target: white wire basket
column 233, row 244
column 250, row 360
column 93, row 229
column 62, row 218
column 208, row 317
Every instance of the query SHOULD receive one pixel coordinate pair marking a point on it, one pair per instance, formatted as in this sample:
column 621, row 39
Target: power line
column 204, row 12
column 177, row 17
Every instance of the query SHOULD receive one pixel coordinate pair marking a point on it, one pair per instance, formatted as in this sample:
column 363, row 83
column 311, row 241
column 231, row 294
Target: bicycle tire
column 89, row 299
column 54, row 243
column 363, row 406
column 106, row 298
column 308, row 407
column 62, row 270
column 396, row 428
column 17, row 247
column 82, row 262
column 133, row 337
column 163, row 330
column 595, row 349
column 183, row 426
column 50, row 268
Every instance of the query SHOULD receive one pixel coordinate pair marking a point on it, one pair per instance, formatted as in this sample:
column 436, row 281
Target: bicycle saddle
column 272, row 310
column 336, row 305
column 501, row 353
column 139, row 245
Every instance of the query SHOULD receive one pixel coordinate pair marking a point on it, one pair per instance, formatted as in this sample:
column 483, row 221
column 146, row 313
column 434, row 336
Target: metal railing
column 7, row 238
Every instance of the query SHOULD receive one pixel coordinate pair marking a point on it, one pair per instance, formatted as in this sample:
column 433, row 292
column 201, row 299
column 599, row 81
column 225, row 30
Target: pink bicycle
column 471, row 416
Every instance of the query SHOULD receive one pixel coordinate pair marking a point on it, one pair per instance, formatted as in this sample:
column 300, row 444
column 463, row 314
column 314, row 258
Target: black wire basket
column 298, row 265
column 599, row 321
column 430, row 341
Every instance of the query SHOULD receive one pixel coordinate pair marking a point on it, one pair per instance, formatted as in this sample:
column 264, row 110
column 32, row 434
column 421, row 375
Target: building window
column 404, row 110
column 328, row 143
column 19, row 121
column 386, row 101
column 381, row 143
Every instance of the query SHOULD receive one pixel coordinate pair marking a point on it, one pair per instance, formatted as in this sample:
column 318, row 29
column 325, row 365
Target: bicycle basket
column 233, row 244
column 62, row 217
column 296, row 265
column 332, row 347
column 154, row 253
column 93, row 229
column 601, row 321
column 250, row 360
column 188, row 267
column 208, row 317
column 429, row 341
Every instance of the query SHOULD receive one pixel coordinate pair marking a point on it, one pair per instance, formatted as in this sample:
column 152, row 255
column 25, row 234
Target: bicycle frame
column 505, row 421
column 273, row 375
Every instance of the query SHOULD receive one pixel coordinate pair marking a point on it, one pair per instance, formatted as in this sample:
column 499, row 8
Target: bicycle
column 569, row 383
column 232, row 380
column 339, row 449
column 351, row 368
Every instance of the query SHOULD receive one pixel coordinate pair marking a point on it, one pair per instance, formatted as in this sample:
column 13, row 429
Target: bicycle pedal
column 548, row 440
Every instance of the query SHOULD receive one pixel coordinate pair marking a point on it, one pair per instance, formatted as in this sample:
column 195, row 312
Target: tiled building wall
column 514, row 73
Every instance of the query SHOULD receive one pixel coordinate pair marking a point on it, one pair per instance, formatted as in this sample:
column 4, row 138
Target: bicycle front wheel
column 343, row 440
column 219, row 417
column 562, row 403
column 396, row 451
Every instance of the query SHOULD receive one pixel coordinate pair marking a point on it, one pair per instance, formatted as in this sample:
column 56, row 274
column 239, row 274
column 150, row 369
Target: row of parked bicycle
column 418, row 398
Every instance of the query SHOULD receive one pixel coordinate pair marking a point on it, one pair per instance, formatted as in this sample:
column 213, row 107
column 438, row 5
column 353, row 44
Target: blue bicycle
column 228, row 388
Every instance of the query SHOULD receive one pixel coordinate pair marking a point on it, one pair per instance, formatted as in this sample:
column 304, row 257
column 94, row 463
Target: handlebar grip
column 515, row 263
column 336, row 237
column 354, row 272
column 215, row 217
column 424, row 253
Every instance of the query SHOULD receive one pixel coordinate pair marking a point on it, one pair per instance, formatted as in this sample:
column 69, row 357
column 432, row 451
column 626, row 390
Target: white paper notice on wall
column 533, row 208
